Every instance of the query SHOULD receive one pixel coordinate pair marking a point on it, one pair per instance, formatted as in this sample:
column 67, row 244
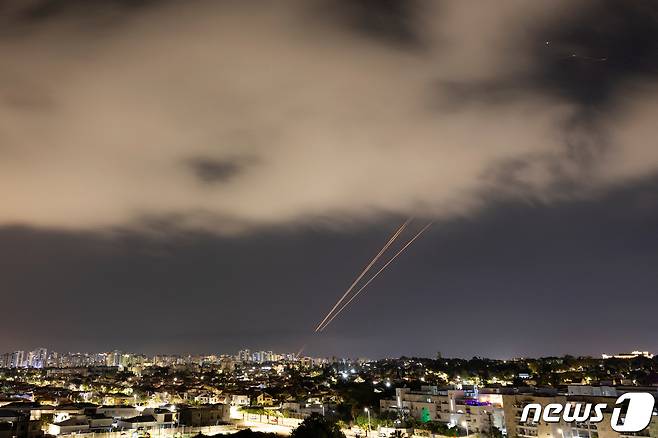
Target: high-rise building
column 244, row 356
column 39, row 358
column 113, row 359
column 17, row 359
column 29, row 360
column 53, row 360
column 126, row 360
column 5, row 360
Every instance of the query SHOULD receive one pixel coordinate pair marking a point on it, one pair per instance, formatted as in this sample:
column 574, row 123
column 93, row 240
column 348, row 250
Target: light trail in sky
column 365, row 270
column 416, row 236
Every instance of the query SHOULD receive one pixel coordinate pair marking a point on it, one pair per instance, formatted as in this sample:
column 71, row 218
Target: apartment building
column 465, row 408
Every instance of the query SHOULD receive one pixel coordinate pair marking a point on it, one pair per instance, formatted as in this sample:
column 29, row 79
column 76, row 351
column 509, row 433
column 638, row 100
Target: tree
column 248, row 433
column 316, row 426
column 496, row 433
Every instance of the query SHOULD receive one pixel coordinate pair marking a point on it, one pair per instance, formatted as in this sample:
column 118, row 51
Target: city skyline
column 43, row 357
column 200, row 176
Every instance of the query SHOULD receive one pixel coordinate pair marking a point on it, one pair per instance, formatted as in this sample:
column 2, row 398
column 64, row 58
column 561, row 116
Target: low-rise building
column 100, row 423
column 64, row 412
column 139, row 421
column 209, row 415
column 239, row 400
column 33, row 409
column 264, row 399
column 14, row 424
column 118, row 411
column 75, row 424
column 164, row 417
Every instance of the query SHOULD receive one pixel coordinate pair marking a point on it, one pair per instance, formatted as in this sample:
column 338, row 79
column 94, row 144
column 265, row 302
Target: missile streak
column 325, row 324
column 366, row 269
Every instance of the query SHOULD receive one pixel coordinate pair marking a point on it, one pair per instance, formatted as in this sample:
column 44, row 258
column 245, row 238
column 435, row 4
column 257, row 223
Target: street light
column 368, row 412
column 465, row 425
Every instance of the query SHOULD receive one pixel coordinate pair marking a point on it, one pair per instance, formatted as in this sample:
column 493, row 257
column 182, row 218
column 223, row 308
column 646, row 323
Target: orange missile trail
column 365, row 270
column 376, row 275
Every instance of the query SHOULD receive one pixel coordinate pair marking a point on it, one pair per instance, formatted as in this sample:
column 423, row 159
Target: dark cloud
column 39, row 10
column 55, row 18
column 212, row 171
column 314, row 105
column 393, row 22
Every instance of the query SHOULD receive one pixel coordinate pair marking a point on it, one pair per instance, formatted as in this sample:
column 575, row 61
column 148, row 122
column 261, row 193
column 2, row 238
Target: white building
column 454, row 407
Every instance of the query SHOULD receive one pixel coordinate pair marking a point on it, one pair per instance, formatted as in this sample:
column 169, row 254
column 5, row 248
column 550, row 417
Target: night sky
column 199, row 177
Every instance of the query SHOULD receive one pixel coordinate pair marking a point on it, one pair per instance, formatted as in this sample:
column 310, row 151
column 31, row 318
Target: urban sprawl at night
column 328, row 218
column 113, row 394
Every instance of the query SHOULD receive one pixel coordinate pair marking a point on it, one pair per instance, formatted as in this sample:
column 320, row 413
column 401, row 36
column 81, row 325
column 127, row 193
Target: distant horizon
column 357, row 357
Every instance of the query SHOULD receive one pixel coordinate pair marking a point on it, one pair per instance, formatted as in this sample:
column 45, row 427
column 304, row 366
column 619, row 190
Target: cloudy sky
column 203, row 176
